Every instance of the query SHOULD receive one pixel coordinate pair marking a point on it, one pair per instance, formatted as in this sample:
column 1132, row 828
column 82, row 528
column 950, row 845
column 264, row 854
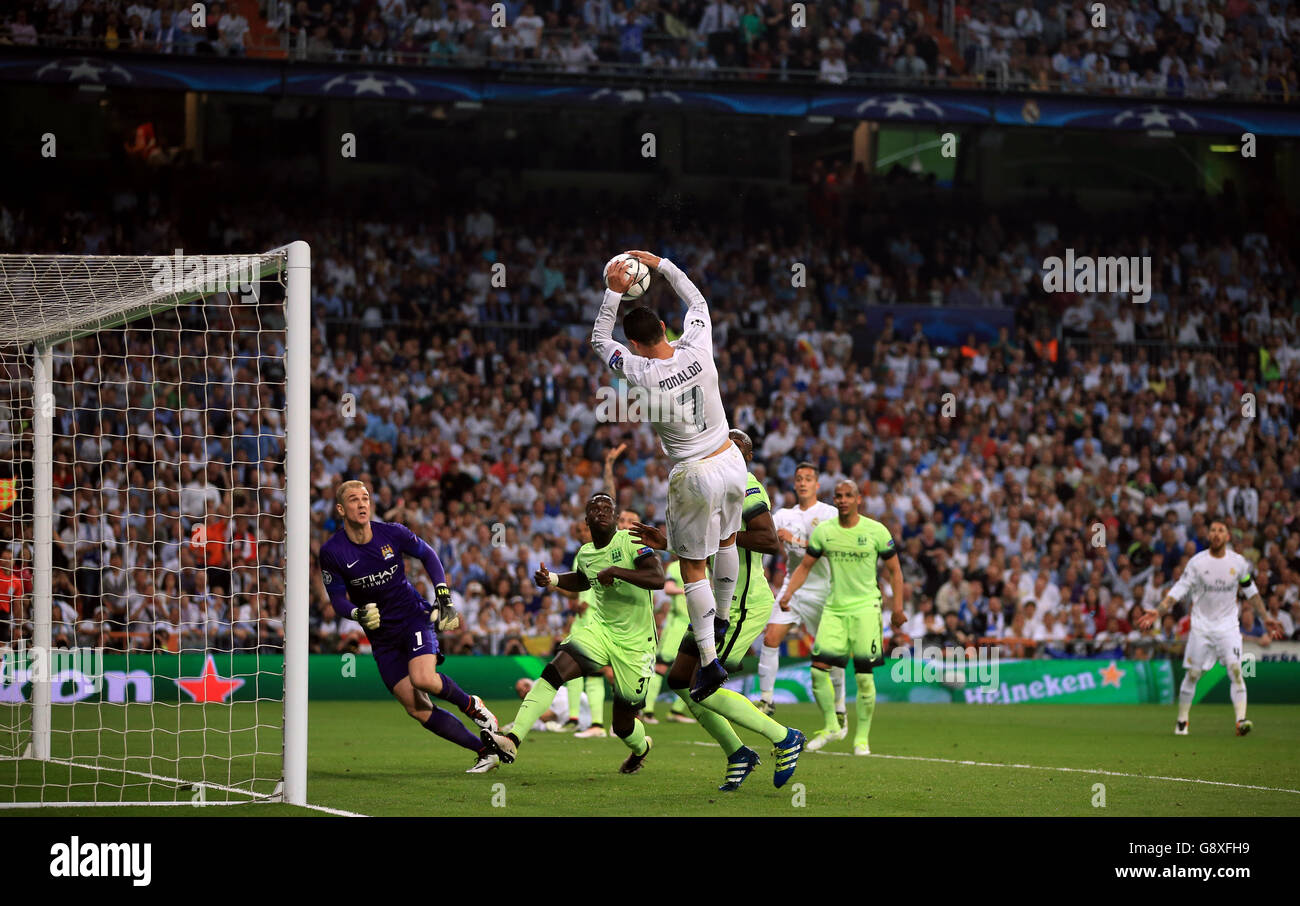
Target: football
column 640, row 276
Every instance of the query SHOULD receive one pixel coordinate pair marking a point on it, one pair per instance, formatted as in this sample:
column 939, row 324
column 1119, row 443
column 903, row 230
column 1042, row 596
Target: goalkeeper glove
column 367, row 615
column 444, row 616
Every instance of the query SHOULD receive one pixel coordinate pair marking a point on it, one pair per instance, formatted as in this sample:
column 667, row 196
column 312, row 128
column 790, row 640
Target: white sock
column 768, row 661
column 1237, row 692
column 700, row 606
column 726, row 568
column 837, row 680
column 1186, row 692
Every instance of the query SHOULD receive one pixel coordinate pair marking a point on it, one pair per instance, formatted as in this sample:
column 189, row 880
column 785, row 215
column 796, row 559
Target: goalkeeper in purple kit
column 365, row 575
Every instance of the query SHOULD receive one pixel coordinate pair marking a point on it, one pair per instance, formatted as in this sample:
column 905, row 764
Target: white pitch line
column 1039, row 767
column 335, row 811
column 256, row 798
column 142, row 804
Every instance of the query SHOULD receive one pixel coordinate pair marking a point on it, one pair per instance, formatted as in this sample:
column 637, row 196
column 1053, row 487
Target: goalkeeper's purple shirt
column 360, row 574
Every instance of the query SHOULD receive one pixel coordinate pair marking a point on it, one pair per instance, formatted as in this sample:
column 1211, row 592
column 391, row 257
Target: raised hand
column 649, row 535
column 649, row 259
column 618, row 276
column 542, row 578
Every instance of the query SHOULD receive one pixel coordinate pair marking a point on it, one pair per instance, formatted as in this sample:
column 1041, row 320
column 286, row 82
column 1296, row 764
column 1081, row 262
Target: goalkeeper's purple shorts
column 394, row 647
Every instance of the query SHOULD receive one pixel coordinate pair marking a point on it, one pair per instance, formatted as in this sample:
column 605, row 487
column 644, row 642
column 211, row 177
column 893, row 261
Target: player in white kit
column 1212, row 579
column 706, row 487
column 794, row 526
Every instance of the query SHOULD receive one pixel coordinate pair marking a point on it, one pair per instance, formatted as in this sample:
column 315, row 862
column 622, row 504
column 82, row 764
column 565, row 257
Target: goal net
column 153, row 528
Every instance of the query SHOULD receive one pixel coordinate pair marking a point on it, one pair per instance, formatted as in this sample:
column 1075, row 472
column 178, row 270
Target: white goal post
column 154, row 518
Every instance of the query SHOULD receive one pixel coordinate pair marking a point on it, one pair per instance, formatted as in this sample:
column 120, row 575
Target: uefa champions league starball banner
column 217, row 677
column 759, row 98
column 86, row 675
column 1003, row 682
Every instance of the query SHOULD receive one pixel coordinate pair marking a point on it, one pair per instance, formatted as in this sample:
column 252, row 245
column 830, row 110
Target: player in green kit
column 594, row 686
column 620, row 634
column 670, row 638
column 851, row 625
column 751, row 604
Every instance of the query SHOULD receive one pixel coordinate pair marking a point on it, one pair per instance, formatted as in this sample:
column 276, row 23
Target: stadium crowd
column 1170, row 48
column 1064, row 482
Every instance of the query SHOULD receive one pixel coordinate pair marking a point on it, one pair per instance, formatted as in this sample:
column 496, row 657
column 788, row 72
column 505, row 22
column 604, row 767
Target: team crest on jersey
column 618, row 555
column 387, row 551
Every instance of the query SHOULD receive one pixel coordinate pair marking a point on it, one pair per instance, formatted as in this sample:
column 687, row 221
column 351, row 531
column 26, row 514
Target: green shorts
column 671, row 638
column 857, row 635
column 593, row 648
column 748, row 621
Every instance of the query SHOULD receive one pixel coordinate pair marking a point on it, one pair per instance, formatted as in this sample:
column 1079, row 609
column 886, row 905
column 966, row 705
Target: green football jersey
column 676, row 603
column 751, row 584
column 853, row 553
column 625, row 611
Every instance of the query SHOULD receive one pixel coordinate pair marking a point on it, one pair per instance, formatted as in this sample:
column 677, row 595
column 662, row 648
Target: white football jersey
column 800, row 524
column 1212, row 584
column 680, row 395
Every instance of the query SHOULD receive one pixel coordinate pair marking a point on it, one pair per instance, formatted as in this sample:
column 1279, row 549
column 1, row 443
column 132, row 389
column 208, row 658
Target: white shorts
column 705, row 498
column 805, row 608
column 1204, row 648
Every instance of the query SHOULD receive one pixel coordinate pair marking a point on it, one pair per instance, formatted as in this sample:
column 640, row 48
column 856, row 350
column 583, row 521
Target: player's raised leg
column 563, row 668
column 419, row 705
column 735, row 709
column 424, row 674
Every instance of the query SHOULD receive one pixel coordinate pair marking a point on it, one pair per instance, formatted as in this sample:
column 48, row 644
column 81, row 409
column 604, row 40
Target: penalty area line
column 1039, row 767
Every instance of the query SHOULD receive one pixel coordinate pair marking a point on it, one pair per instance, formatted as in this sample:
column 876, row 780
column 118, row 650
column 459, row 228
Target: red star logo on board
column 1111, row 675
column 211, row 686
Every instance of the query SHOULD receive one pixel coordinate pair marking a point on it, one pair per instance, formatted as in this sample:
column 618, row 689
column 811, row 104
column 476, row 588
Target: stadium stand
column 1241, row 49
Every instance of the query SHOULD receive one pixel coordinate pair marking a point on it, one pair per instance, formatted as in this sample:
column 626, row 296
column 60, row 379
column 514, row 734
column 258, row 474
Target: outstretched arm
column 574, row 581
column 611, row 352
column 697, row 327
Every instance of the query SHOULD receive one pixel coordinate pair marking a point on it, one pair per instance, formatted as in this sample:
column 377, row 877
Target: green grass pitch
column 370, row 758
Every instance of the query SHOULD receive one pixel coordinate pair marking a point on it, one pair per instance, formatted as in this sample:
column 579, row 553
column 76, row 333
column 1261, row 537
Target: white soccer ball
column 640, row 276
